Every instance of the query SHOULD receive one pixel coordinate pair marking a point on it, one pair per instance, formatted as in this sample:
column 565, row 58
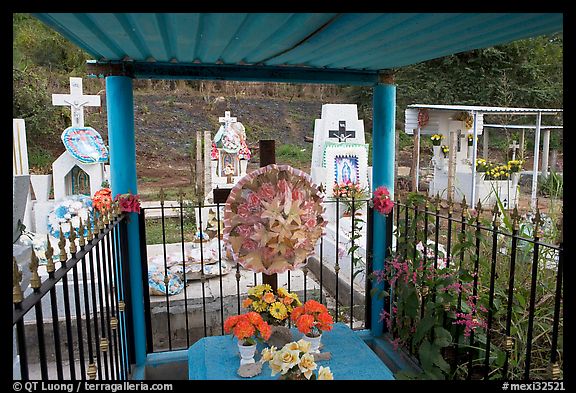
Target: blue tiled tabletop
column 217, row 358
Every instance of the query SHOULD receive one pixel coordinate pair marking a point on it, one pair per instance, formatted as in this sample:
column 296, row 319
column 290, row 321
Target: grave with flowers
column 453, row 128
column 340, row 166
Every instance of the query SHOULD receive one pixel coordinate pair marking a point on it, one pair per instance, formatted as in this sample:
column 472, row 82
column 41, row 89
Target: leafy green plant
column 551, row 185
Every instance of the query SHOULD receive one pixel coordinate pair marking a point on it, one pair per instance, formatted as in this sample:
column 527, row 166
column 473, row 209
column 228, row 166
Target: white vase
column 41, row 184
column 314, row 343
column 213, row 166
column 247, row 353
column 470, row 152
column 243, row 167
column 436, row 149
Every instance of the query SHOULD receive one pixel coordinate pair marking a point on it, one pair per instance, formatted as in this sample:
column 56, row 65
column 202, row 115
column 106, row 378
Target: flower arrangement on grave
column 248, row 328
column 275, row 308
column 294, row 362
column 445, row 150
column 381, row 200
column 348, row 191
column 214, row 152
column 467, row 118
column 423, row 117
column 482, row 165
column 436, row 139
column 515, row 165
column 102, row 199
column 244, row 153
column 129, row 203
column 273, row 219
column 67, row 214
column 312, row 319
column 470, row 138
column 497, row 172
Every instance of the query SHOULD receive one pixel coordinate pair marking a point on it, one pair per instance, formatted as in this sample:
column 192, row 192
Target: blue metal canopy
column 356, row 44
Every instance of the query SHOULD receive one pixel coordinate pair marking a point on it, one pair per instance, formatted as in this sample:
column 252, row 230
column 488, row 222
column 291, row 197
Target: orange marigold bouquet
column 102, row 199
column 312, row 318
column 248, row 328
column 275, row 308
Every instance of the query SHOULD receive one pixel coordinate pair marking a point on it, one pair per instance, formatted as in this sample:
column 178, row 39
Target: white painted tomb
column 339, row 154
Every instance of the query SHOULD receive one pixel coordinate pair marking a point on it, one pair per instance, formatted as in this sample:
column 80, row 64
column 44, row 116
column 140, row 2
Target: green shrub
column 552, row 185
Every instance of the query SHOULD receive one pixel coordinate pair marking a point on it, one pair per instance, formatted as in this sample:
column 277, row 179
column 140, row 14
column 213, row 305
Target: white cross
column 514, row 146
column 227, row 119
column 76, row 100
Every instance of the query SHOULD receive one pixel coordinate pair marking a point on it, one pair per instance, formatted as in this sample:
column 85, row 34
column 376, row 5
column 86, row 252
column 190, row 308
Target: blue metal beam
column 287, row 74
column 383, row 143
column 120, row 104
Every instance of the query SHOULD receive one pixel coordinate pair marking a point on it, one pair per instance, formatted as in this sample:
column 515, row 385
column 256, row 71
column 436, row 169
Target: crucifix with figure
column 341, row 133
column 76, row 100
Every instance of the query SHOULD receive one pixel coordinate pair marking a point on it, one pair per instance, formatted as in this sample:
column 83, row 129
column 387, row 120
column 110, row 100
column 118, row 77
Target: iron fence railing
column 506, row 320
column 336, row 276
column 87, row 327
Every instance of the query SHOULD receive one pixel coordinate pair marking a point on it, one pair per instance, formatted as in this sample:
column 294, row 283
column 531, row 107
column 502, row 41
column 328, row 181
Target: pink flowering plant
column 273, row 219
column 382, row 202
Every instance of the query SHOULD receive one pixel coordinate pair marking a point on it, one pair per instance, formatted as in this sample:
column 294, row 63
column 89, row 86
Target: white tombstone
column 339, row 144
column 63, row 166
column 339, row 140
column 20, row 162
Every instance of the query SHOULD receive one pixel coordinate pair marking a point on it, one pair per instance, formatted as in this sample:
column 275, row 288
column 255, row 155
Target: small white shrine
column 229, row 156
column 73, row 175
column 340, row 154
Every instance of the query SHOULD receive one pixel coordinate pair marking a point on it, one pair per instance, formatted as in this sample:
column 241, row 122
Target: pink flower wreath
column 273, row 219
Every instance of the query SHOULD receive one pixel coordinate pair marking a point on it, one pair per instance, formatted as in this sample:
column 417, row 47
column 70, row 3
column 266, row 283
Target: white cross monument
column 76, row 100
column 514, row 146
column 227, row 119
column 64, row 165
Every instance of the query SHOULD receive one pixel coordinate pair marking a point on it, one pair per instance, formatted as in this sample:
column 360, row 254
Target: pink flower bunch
column 244, row 153
column 273, row 219
column 214, row 152
column 382, row 202
column 129, row 202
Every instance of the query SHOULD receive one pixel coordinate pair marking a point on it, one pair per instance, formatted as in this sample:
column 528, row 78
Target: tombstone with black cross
column 338, row 127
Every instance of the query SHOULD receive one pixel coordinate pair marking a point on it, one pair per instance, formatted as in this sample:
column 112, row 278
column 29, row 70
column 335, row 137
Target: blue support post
column 383, row 141
column 120, row 106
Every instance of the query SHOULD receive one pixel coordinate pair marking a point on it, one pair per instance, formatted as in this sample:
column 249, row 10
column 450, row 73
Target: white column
column 474, row 154
column 485, row 147
column 545, row 151
column 418, row 159
column 536, row 157
column 207, row 164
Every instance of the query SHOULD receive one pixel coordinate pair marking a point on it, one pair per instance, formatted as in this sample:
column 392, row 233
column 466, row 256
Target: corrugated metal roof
column 487, row 109
column 349, row 41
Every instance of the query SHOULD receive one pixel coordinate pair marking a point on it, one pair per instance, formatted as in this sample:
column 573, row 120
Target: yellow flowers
column 436, row 138
column 445, row 150
column 515, row 165
column 278, row 311
column 275, row 308
column 500, row 172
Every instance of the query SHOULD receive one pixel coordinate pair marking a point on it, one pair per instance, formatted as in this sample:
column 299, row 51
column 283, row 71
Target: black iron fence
column 475, row 294
column 86, row 335
column 192, row 299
